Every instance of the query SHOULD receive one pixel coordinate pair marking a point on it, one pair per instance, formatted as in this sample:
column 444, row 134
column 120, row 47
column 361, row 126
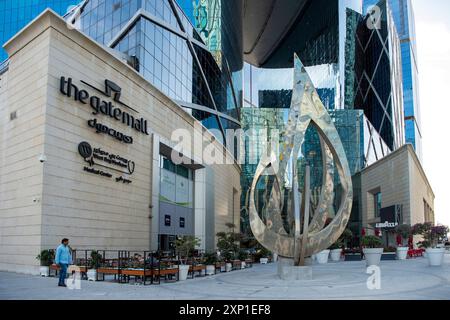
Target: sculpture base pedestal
column 289, row 272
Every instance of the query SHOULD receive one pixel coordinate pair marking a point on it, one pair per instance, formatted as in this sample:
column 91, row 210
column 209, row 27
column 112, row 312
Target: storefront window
column 377, row 204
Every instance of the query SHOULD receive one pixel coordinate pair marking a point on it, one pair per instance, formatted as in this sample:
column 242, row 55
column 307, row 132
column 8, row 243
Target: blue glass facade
column 191, row 61
column 16, row 14
column 403, row 15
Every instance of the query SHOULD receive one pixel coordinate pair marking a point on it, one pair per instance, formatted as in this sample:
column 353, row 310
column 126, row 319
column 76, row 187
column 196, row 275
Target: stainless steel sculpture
column 307, row 236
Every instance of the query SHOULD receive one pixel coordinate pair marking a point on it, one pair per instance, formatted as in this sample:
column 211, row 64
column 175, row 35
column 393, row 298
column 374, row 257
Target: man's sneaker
column 62, row 285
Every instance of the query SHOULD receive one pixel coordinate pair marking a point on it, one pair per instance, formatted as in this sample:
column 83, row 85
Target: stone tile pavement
column 403, row 280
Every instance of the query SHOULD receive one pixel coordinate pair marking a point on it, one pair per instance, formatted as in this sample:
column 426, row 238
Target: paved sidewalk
column 405, row 280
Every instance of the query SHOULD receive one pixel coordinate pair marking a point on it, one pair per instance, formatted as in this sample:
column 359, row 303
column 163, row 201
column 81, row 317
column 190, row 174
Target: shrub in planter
column 404, row 231
column 185, row 247
column 373, row 250
column 336, row 251
column 242, row 256
column 210, row 259
column 433, row 236
column 228, row 243
column 94, row 264
column 262, row 255
column 46, row 258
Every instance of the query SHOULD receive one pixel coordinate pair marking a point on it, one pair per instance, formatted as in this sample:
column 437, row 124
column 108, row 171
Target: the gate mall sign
column 96, row 157
column 100, row 106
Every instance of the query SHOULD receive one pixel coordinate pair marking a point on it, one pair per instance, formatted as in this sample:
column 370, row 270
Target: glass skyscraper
column 16, row 14
column 403, row 14
column 378, row 85
column 190, row 50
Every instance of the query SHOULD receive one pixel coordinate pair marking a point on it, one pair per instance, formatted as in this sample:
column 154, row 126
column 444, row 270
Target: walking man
column 63, row 259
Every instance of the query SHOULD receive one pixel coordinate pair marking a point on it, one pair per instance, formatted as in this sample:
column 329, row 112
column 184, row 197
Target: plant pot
column 44, row 271
column 243, row 264
column 184, row 270
column 402, row 253
column 435, row 257
column 91, row 275
column 264, row 260
column 228, row 267
column 322, row 257
column 210, row 270
column 336, row 255
column 373, row 256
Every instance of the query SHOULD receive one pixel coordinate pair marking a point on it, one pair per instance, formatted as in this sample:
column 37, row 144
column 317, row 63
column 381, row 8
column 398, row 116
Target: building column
column 154, row 222
column 200, row 207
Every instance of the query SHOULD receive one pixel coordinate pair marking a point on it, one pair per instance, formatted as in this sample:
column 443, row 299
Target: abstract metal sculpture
column 307, row 235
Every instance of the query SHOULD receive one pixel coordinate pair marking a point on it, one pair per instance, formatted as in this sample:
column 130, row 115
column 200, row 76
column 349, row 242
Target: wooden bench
column 197, row 268
column 237, row 265
column 220, row 266
column 70, row 270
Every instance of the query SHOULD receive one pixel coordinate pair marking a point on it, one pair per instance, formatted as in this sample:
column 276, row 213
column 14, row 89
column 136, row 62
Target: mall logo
column 107, row 163
column 107, row 108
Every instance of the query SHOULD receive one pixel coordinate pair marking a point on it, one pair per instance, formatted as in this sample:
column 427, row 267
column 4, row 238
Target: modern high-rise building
column 403, row 14
column 112, row 82
column 378, row 82
column 191, row 51
column 14, row 15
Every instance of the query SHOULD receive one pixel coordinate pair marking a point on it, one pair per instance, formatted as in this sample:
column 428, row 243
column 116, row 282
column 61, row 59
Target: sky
column 433, row 52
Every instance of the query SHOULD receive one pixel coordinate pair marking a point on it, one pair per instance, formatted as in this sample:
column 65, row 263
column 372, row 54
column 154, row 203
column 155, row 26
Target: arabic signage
column 105, row 164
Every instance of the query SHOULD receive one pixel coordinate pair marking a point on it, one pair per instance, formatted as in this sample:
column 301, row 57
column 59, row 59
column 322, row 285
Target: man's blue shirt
column 63, row 255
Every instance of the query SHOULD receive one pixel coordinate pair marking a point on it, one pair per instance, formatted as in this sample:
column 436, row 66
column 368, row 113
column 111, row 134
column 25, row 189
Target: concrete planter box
column 210, row 270
column 435, row 257
column 184, row 270
column 322, row 257
column 402, row 253
column 44, row 271
column 91, row 275
column 336, row 255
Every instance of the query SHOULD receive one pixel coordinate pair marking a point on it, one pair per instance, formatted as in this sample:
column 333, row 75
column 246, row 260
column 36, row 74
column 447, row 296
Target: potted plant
column 322, row 256
column 185, row 247
column 45, row 258
column 263, row 255
column 433, row 237
column 372, row 249
column 243, row 255
column 94, row 264
column 227, row 243
column 210, row 260
column 403, row 231
column 336, row 251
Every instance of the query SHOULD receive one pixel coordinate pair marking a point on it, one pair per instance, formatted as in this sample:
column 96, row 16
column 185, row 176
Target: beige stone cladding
column 401, row 180
column 40, row 203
